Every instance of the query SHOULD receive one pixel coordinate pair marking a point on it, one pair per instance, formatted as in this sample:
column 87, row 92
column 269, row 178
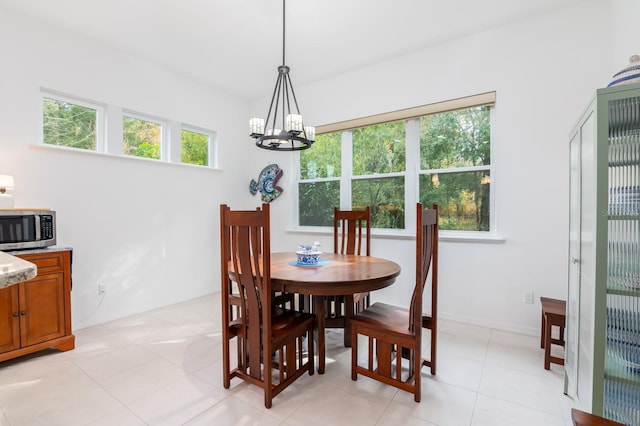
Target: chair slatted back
column 352, row 231
column 426, row 260
column 245, row 242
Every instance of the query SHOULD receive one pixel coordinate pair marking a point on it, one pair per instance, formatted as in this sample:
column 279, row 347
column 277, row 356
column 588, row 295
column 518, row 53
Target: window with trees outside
column 141, row 137
column 194, row 147
column 76, row 123
column 72, row 124
column 438, row 153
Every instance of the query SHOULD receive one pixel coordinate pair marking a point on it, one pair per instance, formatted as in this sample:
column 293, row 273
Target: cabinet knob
column 15, row 314
column 574, row 260
column 23, row 312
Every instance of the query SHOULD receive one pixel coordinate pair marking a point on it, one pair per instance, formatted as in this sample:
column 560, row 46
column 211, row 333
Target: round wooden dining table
column 336, row 275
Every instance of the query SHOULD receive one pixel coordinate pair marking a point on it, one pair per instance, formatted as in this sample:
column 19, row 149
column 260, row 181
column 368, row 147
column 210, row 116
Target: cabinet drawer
column 46, row 262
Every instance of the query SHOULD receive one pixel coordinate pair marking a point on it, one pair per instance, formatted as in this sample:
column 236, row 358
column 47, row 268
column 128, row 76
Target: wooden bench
column 553, row 314
column 581, row 418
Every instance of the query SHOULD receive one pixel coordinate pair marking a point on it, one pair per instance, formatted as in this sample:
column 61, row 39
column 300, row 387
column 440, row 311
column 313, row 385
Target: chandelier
column 283, row 129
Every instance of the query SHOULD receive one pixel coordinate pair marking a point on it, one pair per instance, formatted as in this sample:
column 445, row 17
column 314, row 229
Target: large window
column 440, row 153
column 76, row 123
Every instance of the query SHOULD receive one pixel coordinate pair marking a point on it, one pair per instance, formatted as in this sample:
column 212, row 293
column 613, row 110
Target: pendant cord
column 283, row 28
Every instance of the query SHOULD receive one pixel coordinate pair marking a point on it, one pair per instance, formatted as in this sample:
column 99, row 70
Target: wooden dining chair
column 270, row 339
column 351, row 235
column 392, row 330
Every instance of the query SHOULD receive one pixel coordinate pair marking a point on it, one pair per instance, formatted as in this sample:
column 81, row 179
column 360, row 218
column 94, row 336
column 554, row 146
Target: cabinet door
column 9, row 319
column 42, row 309
column 573, row 294
column 587, row 263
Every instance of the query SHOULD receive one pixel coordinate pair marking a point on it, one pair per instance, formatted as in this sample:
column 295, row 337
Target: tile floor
column 164, row 368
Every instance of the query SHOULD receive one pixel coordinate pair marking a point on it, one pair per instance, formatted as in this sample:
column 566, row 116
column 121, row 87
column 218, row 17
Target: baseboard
column 497, row 325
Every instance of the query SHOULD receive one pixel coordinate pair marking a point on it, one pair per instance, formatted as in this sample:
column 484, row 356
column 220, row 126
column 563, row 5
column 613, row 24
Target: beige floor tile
column 441, row 404
column 131, row 385
column 178, row 402
column 120, row 417
column 535, row 391
column 491, row 411
column 103, row 364
column 231, row 412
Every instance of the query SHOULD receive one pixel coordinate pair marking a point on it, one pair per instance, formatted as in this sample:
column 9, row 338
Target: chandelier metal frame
column 284, row 130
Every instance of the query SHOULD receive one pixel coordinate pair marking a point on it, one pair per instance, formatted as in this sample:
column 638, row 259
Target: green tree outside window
column 141, row 138
column 68, row 124
column 450, row 141
column 194, row 147
column 454, row 171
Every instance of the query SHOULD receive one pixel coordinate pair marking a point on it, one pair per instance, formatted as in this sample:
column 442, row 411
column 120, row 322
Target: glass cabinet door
column 622, row 358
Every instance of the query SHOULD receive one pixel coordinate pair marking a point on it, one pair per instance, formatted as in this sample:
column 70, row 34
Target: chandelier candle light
column 292, row 135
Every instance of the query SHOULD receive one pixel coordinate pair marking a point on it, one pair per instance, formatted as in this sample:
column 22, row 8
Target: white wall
column 147, row 231
column 544, row 70
column 626, row 36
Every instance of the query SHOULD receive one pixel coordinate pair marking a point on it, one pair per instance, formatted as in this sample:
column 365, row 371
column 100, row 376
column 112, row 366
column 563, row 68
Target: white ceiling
column 236, row 45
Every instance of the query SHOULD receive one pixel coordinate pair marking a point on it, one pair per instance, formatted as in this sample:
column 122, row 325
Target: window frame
column 212, row 146
column 164, row 133
column 412, row 171
column 100, row 118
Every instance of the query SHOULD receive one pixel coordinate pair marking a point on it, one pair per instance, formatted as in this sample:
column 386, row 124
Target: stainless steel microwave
column 27, row 228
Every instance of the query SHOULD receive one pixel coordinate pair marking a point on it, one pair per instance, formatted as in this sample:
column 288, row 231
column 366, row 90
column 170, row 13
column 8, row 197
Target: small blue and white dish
column 308, row 255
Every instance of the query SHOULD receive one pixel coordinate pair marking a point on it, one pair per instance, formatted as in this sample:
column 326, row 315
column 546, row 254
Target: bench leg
column 547, row 344
column 542, row 330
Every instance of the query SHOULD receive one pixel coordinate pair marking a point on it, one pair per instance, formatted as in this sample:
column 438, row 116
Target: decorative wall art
column 267, row 183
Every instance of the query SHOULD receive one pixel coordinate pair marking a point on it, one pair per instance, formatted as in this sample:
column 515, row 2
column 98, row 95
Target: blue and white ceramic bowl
column 308, row 255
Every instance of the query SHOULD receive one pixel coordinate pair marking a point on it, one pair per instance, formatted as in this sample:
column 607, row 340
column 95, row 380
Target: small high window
column 70, row 123
column 195, row 146
column 141, row 137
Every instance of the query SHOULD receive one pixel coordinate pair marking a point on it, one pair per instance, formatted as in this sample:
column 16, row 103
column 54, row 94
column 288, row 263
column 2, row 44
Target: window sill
column 448, row 236
column 79, row 151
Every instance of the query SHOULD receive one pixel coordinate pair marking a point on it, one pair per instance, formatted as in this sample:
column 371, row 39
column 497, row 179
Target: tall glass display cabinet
column 602, row 353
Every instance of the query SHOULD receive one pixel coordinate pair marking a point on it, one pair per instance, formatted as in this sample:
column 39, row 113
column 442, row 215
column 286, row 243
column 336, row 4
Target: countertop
column 14, row 270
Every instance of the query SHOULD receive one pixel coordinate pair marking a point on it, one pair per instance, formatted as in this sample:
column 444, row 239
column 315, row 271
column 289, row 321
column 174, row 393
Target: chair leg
column 354, row 352
column 226, row 375
column 310, row 352
column 417, row 377
column 434, row 343
column 348, row 314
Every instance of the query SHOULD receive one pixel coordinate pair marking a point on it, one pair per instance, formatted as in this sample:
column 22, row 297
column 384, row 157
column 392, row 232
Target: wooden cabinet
column 602, row 358
column 36, row 314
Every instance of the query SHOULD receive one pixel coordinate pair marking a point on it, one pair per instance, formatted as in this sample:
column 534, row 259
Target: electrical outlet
column 528, row 297
column 101, row 289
